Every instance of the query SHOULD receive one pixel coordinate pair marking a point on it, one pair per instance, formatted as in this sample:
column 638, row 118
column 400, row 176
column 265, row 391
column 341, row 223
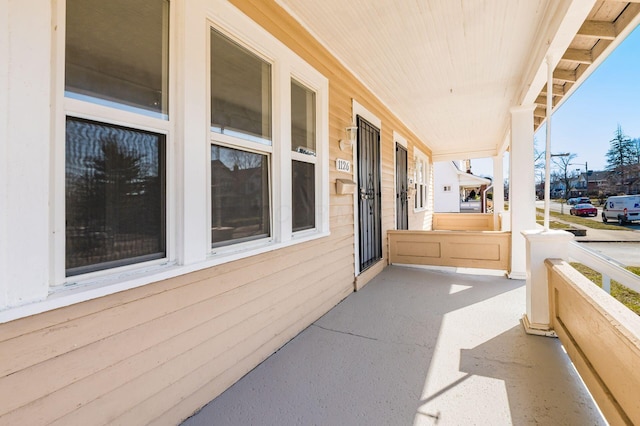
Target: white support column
column 25, row 150
column 541, row 245
column 498, row 189
column 4, row 133
column 190, row 142
column 521, row 186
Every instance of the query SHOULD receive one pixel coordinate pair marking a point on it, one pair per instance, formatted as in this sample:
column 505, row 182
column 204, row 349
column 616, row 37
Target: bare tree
column 565, row 174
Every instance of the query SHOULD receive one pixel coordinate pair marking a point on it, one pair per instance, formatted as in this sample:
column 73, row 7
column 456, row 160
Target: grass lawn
column 554, row 224
column 582, row 221
column 626, row 296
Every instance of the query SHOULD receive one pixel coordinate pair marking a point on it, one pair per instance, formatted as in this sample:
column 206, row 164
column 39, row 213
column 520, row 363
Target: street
column 564, row 208
column 623, row 246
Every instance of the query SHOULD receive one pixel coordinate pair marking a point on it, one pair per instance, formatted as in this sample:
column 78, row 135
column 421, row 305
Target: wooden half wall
column 466, row 249
column 466, row 222
column 602, row 338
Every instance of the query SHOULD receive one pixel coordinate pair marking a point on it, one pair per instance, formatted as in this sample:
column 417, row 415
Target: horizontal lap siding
column 159, row 352
column 103, row 375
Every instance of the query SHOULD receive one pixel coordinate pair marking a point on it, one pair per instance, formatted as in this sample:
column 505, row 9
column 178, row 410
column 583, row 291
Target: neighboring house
column 453, row 187
column 179, row 195
column 579, row 185
column 598, row 183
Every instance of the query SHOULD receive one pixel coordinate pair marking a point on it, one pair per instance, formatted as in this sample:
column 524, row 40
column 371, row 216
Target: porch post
column 498, row 191
column 521, row 186
column 541, row 245
column 26, row 150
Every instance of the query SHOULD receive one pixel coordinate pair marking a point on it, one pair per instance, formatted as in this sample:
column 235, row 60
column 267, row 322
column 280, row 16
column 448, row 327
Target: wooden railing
column 466, row 249
column 602, row 338
column 608, row 267
column 466, row 222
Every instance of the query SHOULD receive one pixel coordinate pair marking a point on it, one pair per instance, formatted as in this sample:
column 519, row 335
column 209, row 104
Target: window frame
column 422, row 179
column 310, row 159
column 107, row 113
column 286, row 66
column 187, row 165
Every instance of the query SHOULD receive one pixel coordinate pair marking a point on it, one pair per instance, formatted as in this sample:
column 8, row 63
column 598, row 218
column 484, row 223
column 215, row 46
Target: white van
column 623, row 208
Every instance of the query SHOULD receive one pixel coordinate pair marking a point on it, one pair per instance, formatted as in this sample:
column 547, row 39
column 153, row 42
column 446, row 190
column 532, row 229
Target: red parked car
column 584, row 210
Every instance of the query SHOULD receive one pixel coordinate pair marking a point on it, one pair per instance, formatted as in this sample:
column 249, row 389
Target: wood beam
column 582, row 68
column 564, row 75
column 558, row 89
column 540, row 112
column 537, row 121
column 600, row 47
column 578, row 55
column 542, row 99
column 598, row 29
column 626, row 17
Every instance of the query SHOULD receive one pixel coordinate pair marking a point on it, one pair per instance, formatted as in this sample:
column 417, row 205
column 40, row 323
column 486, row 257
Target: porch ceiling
column 451, row 70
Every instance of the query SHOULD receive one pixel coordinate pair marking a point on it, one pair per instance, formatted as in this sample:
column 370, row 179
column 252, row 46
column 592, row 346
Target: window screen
column 303, row 119
column 303, row 196
column 115, row 196
column 117, row 53
column 240, row 91
column 239, row 195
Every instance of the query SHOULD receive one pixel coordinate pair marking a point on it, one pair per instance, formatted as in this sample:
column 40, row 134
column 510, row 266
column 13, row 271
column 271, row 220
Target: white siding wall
column 445, row 175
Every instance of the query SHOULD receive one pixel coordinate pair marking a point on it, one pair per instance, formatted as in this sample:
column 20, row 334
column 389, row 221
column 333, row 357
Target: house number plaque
column 343, row 165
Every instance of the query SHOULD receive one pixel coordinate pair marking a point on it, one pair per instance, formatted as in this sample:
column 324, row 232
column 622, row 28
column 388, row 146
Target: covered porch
column 415, row 346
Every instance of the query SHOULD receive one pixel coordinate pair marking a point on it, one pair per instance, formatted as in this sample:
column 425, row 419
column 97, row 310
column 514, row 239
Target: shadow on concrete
column 541, row 385
column 390, row 354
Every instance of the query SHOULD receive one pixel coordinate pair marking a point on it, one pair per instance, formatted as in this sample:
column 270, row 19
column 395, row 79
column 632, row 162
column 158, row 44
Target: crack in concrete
column 346, row 332
column 421, row 345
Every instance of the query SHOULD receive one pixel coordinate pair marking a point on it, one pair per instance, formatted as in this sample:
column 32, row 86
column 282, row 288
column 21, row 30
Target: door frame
column 358, row 109
column 399, row 140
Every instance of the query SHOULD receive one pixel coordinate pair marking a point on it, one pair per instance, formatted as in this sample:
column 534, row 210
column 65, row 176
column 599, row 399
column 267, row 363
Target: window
column 267, row 183
column 117, row 54
column 116, row 71
column 239, row 195
column 240, row 91
column 114, row 196
column 422, row 181
column 303, row 142
column 240, row 109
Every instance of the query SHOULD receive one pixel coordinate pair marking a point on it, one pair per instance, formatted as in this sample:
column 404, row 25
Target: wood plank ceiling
column 452, row 70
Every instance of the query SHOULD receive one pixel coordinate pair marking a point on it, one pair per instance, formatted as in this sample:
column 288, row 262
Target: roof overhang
column 452, row 71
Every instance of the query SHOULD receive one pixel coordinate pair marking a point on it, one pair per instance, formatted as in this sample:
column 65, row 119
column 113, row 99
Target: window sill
column 93, row 288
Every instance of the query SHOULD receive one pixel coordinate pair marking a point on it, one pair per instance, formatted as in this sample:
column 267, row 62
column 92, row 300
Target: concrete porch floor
column 414, row 347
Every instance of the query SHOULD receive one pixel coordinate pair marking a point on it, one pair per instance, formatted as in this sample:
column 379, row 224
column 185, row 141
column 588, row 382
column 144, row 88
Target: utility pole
column 586, row 174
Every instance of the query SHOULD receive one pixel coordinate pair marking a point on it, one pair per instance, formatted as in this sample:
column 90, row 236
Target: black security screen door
column 402, row 214
column 370, row 248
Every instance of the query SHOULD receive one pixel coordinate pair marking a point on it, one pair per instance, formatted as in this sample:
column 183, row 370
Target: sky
column 588, row 120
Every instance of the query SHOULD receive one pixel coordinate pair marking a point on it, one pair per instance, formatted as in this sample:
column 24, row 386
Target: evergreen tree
column 621, row 154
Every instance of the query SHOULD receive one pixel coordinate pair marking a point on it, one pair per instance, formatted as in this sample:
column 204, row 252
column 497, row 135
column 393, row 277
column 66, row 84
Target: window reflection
column 303, row 196
column 303, row 119
column 115, row 196
column 240, row 91
column 117, row 53
column 239, row 195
